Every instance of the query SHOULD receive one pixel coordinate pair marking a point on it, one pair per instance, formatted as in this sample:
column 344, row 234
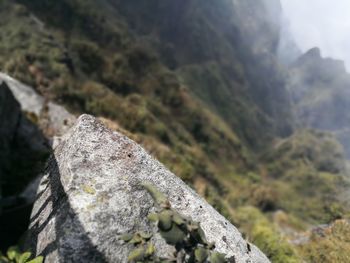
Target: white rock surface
column 30, row 101
column 91, row 195
column 54, row 119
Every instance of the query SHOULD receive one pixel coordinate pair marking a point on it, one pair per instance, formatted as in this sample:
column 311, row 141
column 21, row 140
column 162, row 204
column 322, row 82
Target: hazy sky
column 322, row 23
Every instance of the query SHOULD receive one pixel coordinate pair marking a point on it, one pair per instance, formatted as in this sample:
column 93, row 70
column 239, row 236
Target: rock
column 91, row 195
column 9, row 116
column 14, row 151
column 22, row 149
column 30, row 122
column 30, row 101
column 9, row 119
column 53, row 119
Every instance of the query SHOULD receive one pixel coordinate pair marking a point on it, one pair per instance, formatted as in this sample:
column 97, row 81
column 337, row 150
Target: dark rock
column 9, row 118
column 92, row 194
column 13, row 210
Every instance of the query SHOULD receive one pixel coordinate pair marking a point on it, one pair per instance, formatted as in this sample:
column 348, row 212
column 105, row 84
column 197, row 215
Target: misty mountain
column 320, row 90
column 288, row 50
column 230, row 45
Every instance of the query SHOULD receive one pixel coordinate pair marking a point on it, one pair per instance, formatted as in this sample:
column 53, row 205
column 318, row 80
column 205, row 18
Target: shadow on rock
column 20, row 174
column 52, row 213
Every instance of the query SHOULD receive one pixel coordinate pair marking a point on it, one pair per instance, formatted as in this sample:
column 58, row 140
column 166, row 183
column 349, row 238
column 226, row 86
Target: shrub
column 330, row 245
column 264, row 197
column 90, row 56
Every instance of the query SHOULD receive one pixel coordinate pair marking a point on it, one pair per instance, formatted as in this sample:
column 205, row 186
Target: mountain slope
column 209, row 44
column 320, row 89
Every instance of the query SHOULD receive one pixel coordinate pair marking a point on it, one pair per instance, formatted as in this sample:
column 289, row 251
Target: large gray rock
column 91, row 195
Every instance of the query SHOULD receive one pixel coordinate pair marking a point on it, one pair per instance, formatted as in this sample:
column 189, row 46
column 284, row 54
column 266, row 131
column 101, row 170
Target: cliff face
column 320, row 89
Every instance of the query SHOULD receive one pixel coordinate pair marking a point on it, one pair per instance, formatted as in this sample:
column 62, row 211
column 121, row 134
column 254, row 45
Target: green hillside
column 197, row 83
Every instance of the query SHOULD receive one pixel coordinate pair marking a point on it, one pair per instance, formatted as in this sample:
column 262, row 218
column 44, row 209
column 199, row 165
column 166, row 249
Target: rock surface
column 53, row 119
column 31, row 121
column 21, row 145
column 91, row 195
column 9, row 119
column 9, row 116
column 30, row 101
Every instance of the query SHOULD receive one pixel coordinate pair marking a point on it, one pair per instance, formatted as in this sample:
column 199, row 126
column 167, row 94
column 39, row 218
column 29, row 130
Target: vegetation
column 13, row 255
column 318, row 87
column 331, row 244
column 185, row 235
column 309, row 165
column 261, row 232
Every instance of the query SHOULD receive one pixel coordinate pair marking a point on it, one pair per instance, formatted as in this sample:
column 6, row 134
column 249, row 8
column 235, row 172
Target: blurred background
column 247, row 101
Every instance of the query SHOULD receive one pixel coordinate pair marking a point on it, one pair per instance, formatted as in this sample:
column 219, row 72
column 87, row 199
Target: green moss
column 186, row 236
column 88, row 189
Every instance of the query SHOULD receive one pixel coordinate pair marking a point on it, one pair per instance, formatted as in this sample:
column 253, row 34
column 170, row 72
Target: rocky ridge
column 91, row 194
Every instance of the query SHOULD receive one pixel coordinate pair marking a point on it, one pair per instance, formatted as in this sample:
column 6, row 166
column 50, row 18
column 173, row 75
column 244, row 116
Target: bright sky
column 321, row 23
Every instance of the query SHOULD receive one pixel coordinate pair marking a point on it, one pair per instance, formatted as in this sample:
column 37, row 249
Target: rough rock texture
column 39, row 124
column 28, row 98
column 91, row 195
column 53, row 119
column 23, row 149
column 9, row 118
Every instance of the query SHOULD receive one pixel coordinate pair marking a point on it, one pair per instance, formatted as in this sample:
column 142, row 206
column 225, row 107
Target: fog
column 321, row 23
